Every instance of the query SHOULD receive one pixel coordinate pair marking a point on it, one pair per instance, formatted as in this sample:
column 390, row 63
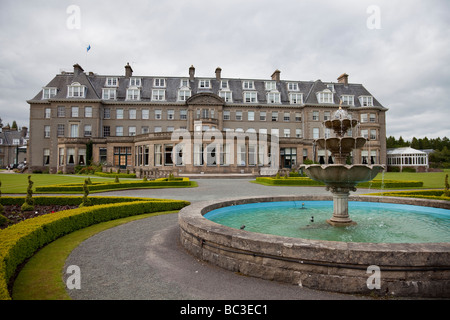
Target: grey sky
column 405, row 64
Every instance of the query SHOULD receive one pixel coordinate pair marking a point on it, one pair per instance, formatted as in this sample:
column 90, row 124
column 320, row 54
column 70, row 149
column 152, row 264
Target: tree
column 28, row 205
column 14, row 125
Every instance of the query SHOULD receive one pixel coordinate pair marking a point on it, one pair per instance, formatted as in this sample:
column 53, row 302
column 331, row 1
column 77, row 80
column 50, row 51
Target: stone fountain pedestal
column 340, row 216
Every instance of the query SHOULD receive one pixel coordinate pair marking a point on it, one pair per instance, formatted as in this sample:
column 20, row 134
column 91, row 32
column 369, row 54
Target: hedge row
column 62, row 188
column 71, row 200
column 20, row 241
column 113, row 175
column 305, row 181
column 425, row 194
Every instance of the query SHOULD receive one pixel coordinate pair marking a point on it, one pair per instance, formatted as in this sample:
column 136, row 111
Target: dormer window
column 296, row 98
column 330, row 86
column 348, row 100
column 109, row 94
column 111, row 82
column 224, row 85
column 184, row 94
column 247, row 84
column 76, row 90
column 326, row 96
column 184, row 83
column 133, row 94
column 135, row 82
column 48, row 93
column 271, row 85
column 250, row 97
column 205, row 84
column 159, row 83
column 292, row 86
column 366, row 101
column 273, row 97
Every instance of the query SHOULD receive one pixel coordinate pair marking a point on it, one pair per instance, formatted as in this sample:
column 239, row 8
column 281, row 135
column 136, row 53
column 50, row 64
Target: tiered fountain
column 340, row 178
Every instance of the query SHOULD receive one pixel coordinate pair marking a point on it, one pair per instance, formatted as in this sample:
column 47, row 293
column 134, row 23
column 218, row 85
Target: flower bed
column 20, row 241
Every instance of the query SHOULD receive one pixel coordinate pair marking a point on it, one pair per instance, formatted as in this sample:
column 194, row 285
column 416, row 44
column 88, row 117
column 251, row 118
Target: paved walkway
column 143, row 259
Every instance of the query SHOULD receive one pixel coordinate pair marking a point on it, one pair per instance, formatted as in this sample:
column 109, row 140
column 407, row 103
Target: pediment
column 205, row 98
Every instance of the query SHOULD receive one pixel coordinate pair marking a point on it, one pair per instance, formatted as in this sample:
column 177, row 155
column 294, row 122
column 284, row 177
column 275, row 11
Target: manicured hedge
column 97, row 187
column 305, row 181
column 113, row 175
column 20, row 241
column 425, row 194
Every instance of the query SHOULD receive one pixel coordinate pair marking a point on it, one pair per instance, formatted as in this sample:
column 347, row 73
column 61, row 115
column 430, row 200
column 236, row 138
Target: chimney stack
column 191, row 73
column 128, row 70
column 218, row 73
column 77, row 69
column 343, row 78
column 276, row 75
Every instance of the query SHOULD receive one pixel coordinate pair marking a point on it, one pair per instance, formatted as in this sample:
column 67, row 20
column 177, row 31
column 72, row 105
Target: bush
column 113, row 175
column 305, row 181
column 19, row 242
column 425, row 194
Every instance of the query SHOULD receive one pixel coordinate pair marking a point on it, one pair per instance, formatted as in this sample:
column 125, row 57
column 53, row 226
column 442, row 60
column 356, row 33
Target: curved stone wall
column 418, row 270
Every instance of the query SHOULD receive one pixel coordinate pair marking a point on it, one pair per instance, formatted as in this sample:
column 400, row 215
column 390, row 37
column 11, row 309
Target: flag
column 88, row 48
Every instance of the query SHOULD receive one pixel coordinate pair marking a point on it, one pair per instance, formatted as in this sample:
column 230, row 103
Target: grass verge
column 41, row 278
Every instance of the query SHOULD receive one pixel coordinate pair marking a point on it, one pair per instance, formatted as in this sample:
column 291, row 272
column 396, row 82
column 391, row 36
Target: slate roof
column 95, row 83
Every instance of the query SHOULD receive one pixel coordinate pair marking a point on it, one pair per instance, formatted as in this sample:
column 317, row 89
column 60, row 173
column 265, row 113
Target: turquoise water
column 376, row 222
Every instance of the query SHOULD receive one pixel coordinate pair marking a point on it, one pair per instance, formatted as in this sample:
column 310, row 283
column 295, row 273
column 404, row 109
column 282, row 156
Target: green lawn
column 430, row 179
column 18, row 182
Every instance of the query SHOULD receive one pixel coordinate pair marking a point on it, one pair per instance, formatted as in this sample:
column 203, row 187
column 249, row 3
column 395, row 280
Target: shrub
column 19, row 242
column 28, row 205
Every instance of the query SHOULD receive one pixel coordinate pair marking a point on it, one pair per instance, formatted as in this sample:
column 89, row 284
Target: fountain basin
column 341, row 146
column 407, row 269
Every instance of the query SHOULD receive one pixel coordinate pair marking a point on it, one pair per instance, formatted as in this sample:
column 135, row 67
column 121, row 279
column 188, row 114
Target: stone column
column 340, row 216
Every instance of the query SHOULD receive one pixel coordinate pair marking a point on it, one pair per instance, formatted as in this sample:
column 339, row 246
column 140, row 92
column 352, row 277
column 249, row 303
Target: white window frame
column 135, row 82
column 226, row 95
column 88, row 130
column 132, row 113
column 133, row 94
column 47, row 113
column 248, row 85
column 292, row 86
column 74, row 112
column 159, row 83
column 88, row 112
column 325, row 96
column 131, row 131
column 250, row 115
column 47, row 131
column 250, row 97
column 171, row 114
column 158, row 95
column 224, row 84
column 109, row 94
column 204, row 84
column 366, row 101
column 270, row 85
column 348, row 100
column 119, row 113
column 273, row 97
column 158, row 114
column 184, row 94
column 48, row 93
column 112, row 82
column 76, row 90
column 145, row 114
column 296, row 98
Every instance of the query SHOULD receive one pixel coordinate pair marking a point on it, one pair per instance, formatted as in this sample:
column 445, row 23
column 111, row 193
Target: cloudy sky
column 399, row 50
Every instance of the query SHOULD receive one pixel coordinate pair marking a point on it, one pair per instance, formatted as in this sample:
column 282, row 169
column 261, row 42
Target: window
column 61, row 112
column 48, row 93
column 292, row 86
column 262, row 116
column 252, row 154
column 224, row 84
column 135, row 82
column 46, row 157
column 365, row 133
column 248, row 84
column 315, row 133
column 372, row 117
column 47, row 113
column 111, row 82
column 158, row 155
column 238, row 115
column 326, row 115
column 251, row 115
column 170, row 114
column 184, row 83
column 61, row 156
column 74, row 130
column 274, row 115
column 330, row 87
column 119, row 131
column 145, row 114
column 145, row 129
column 60, row 130
column 183, row 95
column 241, row 154
column 250, row 97
column 295, row 98
column 158, row 129
column 70, row 156
column 102, row 155
column 88, row 112
column 132, row 113
column 373, row 134
column 46, row 131
column 76, row 90
column 204, row 84
column 273, row 97
column 363, row 117
column 298, row 116
column 81, row 156
column 119, row 113
column 133, row 94
column 106, row 131
column 287, row 133
column 159, row 83
column 158, row 114
column 287, row 116
column 109, row 94
column 198, row 154
column 366, row 101
column 298, row 133
column 326, row 96
column 107, row 113
column 146, row 155
column 122, row 156
column 347, row 100
column 183, row 114
column 275, row 132
column 226, row 115
column 271, row 85
column 74, row 112
column 132, row 131
column 226, row 95
column 315, row 116
column 87, row 130
column 158, row 95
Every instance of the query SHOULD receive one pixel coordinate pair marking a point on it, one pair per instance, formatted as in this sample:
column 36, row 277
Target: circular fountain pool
column 377, row 222
column 415, row 268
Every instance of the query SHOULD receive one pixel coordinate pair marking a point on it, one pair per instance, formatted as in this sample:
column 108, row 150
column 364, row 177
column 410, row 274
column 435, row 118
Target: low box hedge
column 305, row 181
column 98, row 187
column 437, row 194
column 20, row 241
column 113, row 175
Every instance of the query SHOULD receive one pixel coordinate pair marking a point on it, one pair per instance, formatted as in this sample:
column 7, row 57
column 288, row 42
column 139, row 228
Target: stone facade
column 130, row 123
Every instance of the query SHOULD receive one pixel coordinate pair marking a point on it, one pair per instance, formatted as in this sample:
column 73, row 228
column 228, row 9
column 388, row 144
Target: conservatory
column 407, row 157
